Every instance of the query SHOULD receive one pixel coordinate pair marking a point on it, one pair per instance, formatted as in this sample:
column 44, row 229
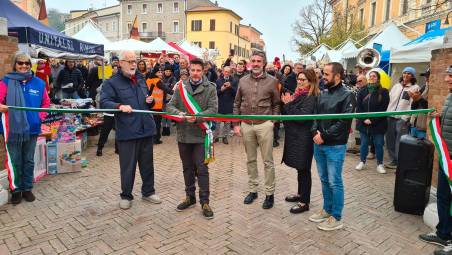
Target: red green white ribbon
column 194, row 108
column 10, row 168
column 443, row 152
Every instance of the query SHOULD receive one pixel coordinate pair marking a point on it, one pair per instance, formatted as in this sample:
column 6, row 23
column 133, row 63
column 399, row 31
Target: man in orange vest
column 158, row 91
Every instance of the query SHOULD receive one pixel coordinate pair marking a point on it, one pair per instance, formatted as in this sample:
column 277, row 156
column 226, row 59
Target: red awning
column 186, row 53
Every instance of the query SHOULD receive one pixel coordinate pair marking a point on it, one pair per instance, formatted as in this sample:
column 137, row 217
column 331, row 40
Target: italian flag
column 10, row 169
column 443, row 152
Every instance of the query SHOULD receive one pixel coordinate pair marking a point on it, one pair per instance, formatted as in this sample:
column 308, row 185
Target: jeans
column 378, row 140
column 22, row 157
column 396, row 128
column 444, row 199
column 330, row 160
column 73, row 95
column 222, row 129
column 192, row 156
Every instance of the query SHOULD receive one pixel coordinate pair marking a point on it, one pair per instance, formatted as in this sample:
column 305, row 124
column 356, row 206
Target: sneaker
column 187, row 203
column 360, row 166
column 320, row 216
column 381, row 169
column 153, row 199
column 16, row 198
column 330, row 224
column 392, row 165
column 125, row 204
column 433, row 239
column 371, row 156
column 207, row 211
column 447, row 250
column 28, row 196
column 99, row 153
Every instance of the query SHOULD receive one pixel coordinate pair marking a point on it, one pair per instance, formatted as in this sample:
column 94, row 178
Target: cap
column 410, row 70
column 114, row 58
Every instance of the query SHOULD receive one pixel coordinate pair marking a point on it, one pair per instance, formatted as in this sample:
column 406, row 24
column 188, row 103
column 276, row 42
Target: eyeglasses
column 132, row 62
column 21, row 63
column 301, row 79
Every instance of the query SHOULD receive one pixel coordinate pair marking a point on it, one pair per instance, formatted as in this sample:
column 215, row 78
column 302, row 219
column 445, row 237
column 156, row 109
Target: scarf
column 20, row 129
column 300, row 92
column 372, row 87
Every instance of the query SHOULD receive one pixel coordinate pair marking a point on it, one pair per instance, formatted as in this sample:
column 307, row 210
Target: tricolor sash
column 443, row 152
column 194, row 108
column 10, row 168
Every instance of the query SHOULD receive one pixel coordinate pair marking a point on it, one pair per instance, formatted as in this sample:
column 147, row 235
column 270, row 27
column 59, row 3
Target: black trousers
column 158, row 126
column 107, row 126
column 276, row 128
column 304, row 185
column 132, row 152
column 192, row 156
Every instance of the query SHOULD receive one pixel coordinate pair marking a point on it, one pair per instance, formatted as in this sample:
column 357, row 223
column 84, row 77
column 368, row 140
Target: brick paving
column 78, row 213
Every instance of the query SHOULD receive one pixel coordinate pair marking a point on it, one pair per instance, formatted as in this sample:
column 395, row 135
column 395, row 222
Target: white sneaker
column 125, row 204
column 371, row 156
column 330, row 224
column 320, row 216
column 153, row 199
column 381, row 169
column 360, row 166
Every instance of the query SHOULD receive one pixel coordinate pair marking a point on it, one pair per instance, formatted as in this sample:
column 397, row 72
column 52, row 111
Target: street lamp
column 446, row 22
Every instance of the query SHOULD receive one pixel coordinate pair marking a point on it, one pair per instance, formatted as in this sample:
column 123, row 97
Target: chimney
column 216, row 3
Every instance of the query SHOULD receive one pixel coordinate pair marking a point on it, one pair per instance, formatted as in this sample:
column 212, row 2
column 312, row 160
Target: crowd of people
column 252, row 87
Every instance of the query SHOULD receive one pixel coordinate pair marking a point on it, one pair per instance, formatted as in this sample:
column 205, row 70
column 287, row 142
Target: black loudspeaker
column 413, row 175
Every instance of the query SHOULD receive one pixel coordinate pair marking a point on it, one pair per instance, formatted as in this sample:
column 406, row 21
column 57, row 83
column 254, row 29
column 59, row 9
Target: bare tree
column 315, row 21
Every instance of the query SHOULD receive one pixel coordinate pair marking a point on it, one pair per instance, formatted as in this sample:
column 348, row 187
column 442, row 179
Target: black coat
column 66, row 76
column 226, row 98
column 375, row 102
column 289, row 82
column 298, row 143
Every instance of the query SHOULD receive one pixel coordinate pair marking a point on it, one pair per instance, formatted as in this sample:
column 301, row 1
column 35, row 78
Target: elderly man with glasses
column 134, row 131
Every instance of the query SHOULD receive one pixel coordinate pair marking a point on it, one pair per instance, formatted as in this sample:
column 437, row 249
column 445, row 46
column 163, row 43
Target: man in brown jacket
column 258, row 94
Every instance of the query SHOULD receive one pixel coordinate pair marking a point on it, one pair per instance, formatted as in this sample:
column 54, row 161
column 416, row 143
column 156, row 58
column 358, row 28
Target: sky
column 273, row 18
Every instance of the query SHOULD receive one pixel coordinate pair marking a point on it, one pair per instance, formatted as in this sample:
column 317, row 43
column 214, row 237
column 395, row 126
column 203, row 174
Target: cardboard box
column 40, row 159
column 83, row 137
column 69, row 157
column 52, row 158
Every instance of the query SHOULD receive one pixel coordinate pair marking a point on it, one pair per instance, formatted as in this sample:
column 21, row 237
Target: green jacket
column 207, row 99
column 446, row 122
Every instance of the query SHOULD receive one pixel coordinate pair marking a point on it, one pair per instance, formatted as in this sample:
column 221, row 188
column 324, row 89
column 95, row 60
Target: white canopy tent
column 90, row 33
column 416, row 53
column 192, row 49
column 158, row 45
column 129, row 44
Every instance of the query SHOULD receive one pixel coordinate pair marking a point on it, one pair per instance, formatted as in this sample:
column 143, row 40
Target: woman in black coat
column 372, row 98
column 298, row 143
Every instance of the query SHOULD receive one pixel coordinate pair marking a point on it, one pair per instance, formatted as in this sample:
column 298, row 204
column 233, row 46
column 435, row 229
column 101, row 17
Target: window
column 230, row 46
column 212, row 25
column 144, row 9
column 106, row 27
column 198, row 43
column 212, row 45
column 144, row 27
column 388, row 9
column 404, row 7
column 196, row 25
column 361, row 16
column 159, row 29
column 113, row 26
column 175, row 26
column 176, row 7
column 236, row 30
column 129, row 26
column 129, row 9
column 373, row 9
column 159, row 8
column 230, row 27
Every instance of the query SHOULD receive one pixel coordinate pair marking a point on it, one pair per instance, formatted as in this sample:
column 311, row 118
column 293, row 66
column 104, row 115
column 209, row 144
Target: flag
column 134, row 30
column 43, row 13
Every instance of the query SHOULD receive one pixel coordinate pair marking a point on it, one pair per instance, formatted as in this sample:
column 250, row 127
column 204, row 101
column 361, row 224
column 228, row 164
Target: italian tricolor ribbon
column 10, row 168
column 443, row 152
column 194, row 108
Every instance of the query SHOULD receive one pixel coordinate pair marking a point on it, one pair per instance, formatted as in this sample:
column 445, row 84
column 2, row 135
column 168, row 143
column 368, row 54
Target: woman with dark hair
column 288, row 79
column 142, row 68
column 372, row 98
column 21, row 128
column 298, row 145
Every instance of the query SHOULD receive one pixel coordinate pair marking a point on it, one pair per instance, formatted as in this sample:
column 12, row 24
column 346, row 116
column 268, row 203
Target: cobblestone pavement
column 78, row 213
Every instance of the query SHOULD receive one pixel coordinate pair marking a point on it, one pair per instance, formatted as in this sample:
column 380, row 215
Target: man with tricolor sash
column 195, row 138
column 441, row 131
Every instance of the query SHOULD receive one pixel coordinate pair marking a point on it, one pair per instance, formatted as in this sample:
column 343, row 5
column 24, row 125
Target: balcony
column 145, row 36
column 256, row 46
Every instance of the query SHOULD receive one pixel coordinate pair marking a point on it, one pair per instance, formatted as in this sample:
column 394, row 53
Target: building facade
column 253, row 35
column 157, row 18
column 410, row 15
column 29, row 6
column 217, row 28
column 107, row 19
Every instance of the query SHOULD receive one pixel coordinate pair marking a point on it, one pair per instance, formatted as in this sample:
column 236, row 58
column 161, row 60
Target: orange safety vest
column 157, row 93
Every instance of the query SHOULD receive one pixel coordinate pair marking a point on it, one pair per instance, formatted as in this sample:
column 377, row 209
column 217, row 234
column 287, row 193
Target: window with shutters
column 212, row 25
column 212, row 45
column 144, row 9
column 196, row 25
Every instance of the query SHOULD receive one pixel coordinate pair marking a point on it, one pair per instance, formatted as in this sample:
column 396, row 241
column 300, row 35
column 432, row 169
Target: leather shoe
column 299, row 208
column 28, row 196
column 16, row 198
column 268, row 203
column 293, row 198
column 250, row 198
column 225, row 140
column 99, row 153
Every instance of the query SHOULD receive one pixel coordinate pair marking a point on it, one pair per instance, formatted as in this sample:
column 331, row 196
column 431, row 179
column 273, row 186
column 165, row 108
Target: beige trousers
column 259, row 136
